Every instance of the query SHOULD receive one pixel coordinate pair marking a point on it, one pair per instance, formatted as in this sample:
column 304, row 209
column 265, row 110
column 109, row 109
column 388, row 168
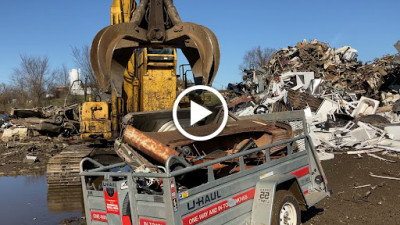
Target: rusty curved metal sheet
column 113, row 47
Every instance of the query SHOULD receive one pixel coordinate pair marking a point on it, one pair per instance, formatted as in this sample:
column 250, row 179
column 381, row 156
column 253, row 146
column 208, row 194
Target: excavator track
column 63, row 169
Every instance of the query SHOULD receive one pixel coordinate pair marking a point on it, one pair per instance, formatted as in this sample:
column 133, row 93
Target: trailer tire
column 286, row 209
column 126, row 207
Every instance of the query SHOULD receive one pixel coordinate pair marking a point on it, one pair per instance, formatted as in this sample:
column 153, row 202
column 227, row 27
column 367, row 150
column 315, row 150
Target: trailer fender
column 265, row 195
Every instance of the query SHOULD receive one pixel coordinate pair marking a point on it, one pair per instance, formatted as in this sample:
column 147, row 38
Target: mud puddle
column 26, row 200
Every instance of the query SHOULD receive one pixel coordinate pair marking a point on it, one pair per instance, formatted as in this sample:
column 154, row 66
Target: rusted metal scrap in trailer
column 271, row 191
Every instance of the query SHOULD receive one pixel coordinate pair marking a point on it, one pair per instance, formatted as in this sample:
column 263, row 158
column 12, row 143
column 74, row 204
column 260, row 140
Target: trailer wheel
column 286, row 210
column 126, row 207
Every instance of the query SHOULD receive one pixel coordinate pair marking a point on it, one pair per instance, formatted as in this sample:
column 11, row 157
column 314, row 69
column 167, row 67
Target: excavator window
column 160, row 55
column 161, row 51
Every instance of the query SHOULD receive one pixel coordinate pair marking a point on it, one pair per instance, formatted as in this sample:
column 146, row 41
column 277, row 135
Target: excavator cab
column 95, row 121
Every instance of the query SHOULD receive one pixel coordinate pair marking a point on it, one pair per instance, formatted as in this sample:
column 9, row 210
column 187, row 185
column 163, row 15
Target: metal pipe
column 91, row 161
column 148, row 145
column 182, row 73
column 108, row 167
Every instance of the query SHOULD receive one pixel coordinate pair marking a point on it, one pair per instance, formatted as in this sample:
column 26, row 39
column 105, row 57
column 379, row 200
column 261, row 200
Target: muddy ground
column 13, row 155
column 13, row 160
column 377, row 204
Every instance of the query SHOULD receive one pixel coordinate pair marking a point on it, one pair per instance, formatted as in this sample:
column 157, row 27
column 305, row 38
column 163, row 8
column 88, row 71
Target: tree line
column 34, row 78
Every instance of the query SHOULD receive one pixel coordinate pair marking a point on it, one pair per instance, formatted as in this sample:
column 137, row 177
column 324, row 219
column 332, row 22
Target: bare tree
column 82, row 60
column 19, row 82
column 33, row 77
column 256, row 57
column 63, row 75
column 6, row 96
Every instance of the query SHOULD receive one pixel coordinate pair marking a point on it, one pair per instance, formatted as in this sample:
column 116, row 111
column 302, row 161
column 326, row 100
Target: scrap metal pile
column 47, row 121
column 347, row 102
column 146, row 151
column 30, row 136
column 243, row 135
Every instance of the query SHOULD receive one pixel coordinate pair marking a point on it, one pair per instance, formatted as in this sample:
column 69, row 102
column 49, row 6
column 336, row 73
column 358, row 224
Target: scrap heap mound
column 335, row 71
column 346, row 102
column 338, row 68
column 315, row 56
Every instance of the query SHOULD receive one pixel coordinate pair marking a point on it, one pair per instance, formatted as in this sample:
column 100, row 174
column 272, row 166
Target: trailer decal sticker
column 264, row 195
column 203, row 200
column 265, row 175
column 301, row 172
column 111, row 199
column 126, row 220
column 183, row 195
column 173, row 196
column 218, row 208
column 124, row 185
column 99, row 216
column 144, row 221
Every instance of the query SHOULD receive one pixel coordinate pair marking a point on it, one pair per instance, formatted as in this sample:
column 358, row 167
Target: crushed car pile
column 32, row 136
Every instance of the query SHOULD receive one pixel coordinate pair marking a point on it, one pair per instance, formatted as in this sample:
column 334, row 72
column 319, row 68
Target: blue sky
column 49, row 27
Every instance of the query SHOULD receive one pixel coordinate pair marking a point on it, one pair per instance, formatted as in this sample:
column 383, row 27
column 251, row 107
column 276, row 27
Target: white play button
column 197, row 113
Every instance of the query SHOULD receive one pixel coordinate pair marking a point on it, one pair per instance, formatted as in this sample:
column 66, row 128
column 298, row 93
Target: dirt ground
column 377, row 204
column 13, row 155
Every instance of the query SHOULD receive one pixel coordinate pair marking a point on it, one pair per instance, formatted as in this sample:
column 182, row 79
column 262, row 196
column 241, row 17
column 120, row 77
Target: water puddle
column 26, row 200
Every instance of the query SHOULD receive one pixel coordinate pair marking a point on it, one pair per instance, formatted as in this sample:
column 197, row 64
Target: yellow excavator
column 134, row 59
column 149, row 84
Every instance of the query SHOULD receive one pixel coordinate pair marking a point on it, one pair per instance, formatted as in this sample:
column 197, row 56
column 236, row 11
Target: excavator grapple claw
column 155, row 24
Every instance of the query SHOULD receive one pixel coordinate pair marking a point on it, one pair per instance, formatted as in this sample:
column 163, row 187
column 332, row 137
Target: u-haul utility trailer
column 270, row 193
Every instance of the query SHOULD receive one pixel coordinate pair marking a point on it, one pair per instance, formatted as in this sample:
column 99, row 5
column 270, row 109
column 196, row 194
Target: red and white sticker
column 144, row 221
column 112, row 205
column 218, row 208
column 173, row 196
column 99, row 216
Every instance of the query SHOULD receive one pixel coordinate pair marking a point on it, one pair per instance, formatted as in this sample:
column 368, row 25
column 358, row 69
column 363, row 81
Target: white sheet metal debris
column 14, row 132
column 393, row 131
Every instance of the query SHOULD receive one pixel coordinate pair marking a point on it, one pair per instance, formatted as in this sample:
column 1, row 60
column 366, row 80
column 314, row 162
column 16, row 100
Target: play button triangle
column 197, row 112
